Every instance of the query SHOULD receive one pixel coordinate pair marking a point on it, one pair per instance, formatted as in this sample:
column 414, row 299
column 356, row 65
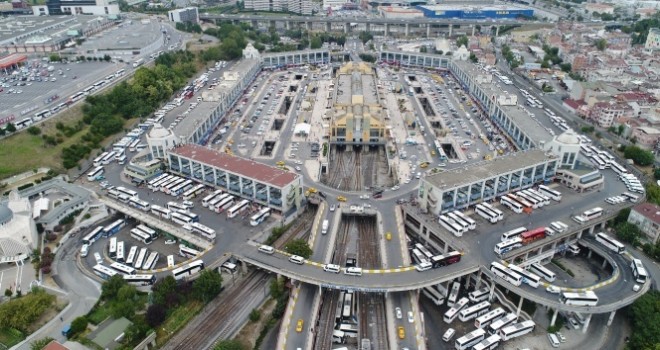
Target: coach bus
column 141, row 236
column 188, row 270
column 508, row 245
column 446, row 259
column 486, row 213
column 451, row 314
column 515, row 206
column 544, row 198
column 206, row 200
column 104, row 272
column 638, row 271
column 113, row 228
column 194, row 192
column 509, row 319
column 502, row 272
column 109, row 157
column 180, row 219
column 95, row 174
column 549, row 192
column 417, row 256
column 148, row 230
column 588, row 298
column 459, row 221
column 98, row 161
column 517, row 330
column 184, row 186
column 469, row 340
column 188, row 252
column 120, row 251
column 516, row 232
column 140, row 280
column 492, row 342
column 139, row 261
column 527, row 207
column 610, row 243
column 93, row 236
column 132, row 254
column 225, row 203
column 425, row 252
column 161, row 212
column 453, row 294
column 479, row 295
column 528, row 278
column 484, row 320
column 156, row 186
column 123, row 269
column 259, row 217
column 474, row 311
column 127, row 192
column 451, row 226
column 203, row 230
column 139, row 204
column 155, row 180
column 529, row 198
column 500, row 214
column 533, row 235
column 238, row 208
column 543, row 272
column 432, row 293
column 151, row 261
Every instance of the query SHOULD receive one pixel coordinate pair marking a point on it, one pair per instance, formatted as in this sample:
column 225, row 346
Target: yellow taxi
column 341, row 199
column 401, row 332
column 312, row 190
column 432, row 152
column 388, row 236
column 424, row 164
column 280, row 163
column 299, row 325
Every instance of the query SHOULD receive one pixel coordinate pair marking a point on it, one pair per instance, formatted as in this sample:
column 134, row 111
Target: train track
column 300, row 230
column 221, row 318
column 372, row 315
column 330, row 298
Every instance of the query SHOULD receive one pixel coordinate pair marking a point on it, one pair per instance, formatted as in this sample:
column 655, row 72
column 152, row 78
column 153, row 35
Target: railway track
column 300, row 230
column 330, row 298
column 221, row 318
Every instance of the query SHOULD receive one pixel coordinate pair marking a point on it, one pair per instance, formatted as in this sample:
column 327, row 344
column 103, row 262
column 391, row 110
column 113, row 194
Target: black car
column 321, row 194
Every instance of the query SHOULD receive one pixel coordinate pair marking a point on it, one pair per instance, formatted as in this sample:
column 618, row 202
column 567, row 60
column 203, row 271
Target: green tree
column 462, row 41
column 316, row 43
column 423, row 49
column 255, row 315
column 639, row 156
column 53, row 57
column 277, row 288
column 473, row 57
column 156, row 314
column 365, row 36
column 628, row 232
column 299, row 247
column 230, row 345
column 78, row 326
column 34, row 130
column 656, row 173
column 126, row 303
column 601, row 44
column 620, row 129
column 41, row 343
column 110, row 288
column 10, row 127
column 622, row 216
column 645, row 316
column 565, row 67
column 208, row 285
column 164, row 292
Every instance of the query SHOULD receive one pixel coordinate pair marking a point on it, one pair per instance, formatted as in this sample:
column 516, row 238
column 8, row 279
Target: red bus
column 532, row 235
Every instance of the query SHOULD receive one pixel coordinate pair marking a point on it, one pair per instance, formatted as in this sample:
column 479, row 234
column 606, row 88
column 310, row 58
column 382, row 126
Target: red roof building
column 12, row 60
column 647, row 217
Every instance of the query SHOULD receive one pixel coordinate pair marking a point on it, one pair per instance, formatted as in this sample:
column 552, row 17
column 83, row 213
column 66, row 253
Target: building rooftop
column 77, row 195
column 531, row 127
column 487, row 169
column 19, row 29
column 240, row 166
column 649, row 211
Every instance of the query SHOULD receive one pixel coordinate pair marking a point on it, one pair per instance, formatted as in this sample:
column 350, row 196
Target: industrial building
column 484, row 181
column 357, row 117
column 451, row 11
column 263, row 184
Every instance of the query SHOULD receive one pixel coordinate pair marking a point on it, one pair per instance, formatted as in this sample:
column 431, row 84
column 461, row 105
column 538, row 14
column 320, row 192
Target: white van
column 297, row 259
column 324, row 227
column 266, row 249
column 448, row 334
column 558, row 226
column 98, row 258
column 331, row 268
column 554, row 341
column 84, row 250
column 353, row 271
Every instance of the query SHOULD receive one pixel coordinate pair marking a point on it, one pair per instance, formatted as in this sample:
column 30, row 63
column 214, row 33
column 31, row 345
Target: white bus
column 588, row 298
column 479, row 295
column 113, row 228
column 238, row 208
column 123, row 269
column 451, row 314
column 486, row 213
column 453, row 294
column 259, row 217
column 169, row 181
column 515, row 206
column 472, row 224
column 132, row 145
column 425, row 252
column 618, row 168
column 432, row 293
column 148, row 230
column 508, row 245
column 474, row 311
column 182, row 187
column 93, row 236
column 546, row 199
column 120, row 251
column 528, row 278
column 209, row 198
column 139, row 261
column 526, row 205
column 155, row 180
column 203, row 230
column 168, row 189
column 489, row 343
column 109, row 157
column 181, row 219
column 517, row 330
column 638, row 271
column 417, row 256
column 174, row 206
column 188, row 270
column 586, row 150
column 161, row 212
column 188, row 252
column 151, row 261
column 141, row 236
column 458, row 221
column 132, row 254
column 95, row 174
column 484, row 320
column 104, row 271
column 598, row 163
column 509, row 319
column 529, row 198
column 194, row 192
column 224, row 202
column 156, row 186
column 549, row 192
column 451, row 226
column 543, row 272
column 194, row 217
column 502, row 272
column 98, row 161
column 42, row 115
column 140, row 204
column 469, row 340
column 127, row 192
column 611, row 243
column 631, row 197
column 593, row 213
column 140, row 280
column 500, row 214
column 516, row 232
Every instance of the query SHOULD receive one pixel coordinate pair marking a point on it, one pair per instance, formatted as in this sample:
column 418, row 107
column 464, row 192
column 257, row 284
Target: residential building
column 653, row 39
column 302, row 7
column 185, row 15
column 647, row 217
column 599, row 8
column 605, row 113
column 646, row 136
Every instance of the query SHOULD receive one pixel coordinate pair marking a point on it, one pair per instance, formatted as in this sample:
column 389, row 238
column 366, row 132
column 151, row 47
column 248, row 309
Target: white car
column 364, row 196
column 553, row 290
column 395, row 188
column 188, row 204
column 332, row 207
column 170, row 241
column 298, row 168
column 411, row 318
column 399, row 314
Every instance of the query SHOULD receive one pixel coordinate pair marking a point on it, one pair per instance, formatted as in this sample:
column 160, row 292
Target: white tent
column 302, row 128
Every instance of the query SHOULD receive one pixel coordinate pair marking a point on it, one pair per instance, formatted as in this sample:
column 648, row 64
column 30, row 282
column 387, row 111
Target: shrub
column 255, row 315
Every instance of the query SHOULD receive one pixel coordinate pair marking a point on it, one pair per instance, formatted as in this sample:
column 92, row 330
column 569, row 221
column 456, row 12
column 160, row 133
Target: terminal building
column 357, row 117
column 263, row 184
column 18, row 233
column 484, row 181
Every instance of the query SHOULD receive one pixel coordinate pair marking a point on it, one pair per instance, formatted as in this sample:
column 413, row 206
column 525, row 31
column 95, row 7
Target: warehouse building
column 263, row 184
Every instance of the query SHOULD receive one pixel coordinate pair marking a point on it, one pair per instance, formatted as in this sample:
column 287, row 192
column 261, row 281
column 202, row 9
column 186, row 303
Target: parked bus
column 479, row 295
column 93, row 236
column 451, row 226
column 41, row 115
column 515, row 206
column 192, row 216
column 638, row 271
column 458, row 221
column 631, row 197
column 453, row 294
column 549, row 192
column 500, row 214
column 120, row 251
column 148, row 230
column 95, row 174
column 425, row 252
column 205, row 231
column 533, row 235
column 161, row 212
column 516, row 232
column 209, row 198
column 104, row 272
column 259, row 217
column 188, row 252
column 588, row 298
column 156, row 186
column 597, row 162
column 127, row 192
column 546, row 199
column 188, row 270
column 492, row 342
column 132, row 146
column 517, row 330
column 224, row 204
column 610, row 243
column 123, row 269
column 140, row 204
column 140, row 280
column 184, row 186
column 484, row 320
column 502, row 272
column 509, row 319
column 434, row 294
column 151, row 261
column 543, row 272
column 141, row 236
column 194, row 192
column 98, row 161
column 139, row 261
column 527, row 207
column 169, row 188
column 508, row 245
column 109, row 157
column 113, row 228
column 446, row 259
column 238, row 208
column 132, row 254
column 453, row 311
column 529, row 198
column 528, row 278
column 469, row 340
column 618, row 168
column 181, row 219
column 474, row 311
column 486, row 213
column 157, row 179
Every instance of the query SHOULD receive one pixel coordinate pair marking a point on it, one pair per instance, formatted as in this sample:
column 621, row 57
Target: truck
column 138, row 62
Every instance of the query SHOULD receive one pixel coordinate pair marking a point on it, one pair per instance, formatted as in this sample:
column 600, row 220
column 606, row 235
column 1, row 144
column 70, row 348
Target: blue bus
column 113, row 228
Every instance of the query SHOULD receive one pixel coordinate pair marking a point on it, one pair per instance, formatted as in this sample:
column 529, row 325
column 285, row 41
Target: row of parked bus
column 457, row 223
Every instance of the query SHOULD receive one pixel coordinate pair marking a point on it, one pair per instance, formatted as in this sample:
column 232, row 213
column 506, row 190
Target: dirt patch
column 250, row 332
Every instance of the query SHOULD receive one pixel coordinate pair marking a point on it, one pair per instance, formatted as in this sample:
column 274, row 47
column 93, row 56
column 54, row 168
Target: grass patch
column 10, row 337
column 98, row 314
column 177, row 319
